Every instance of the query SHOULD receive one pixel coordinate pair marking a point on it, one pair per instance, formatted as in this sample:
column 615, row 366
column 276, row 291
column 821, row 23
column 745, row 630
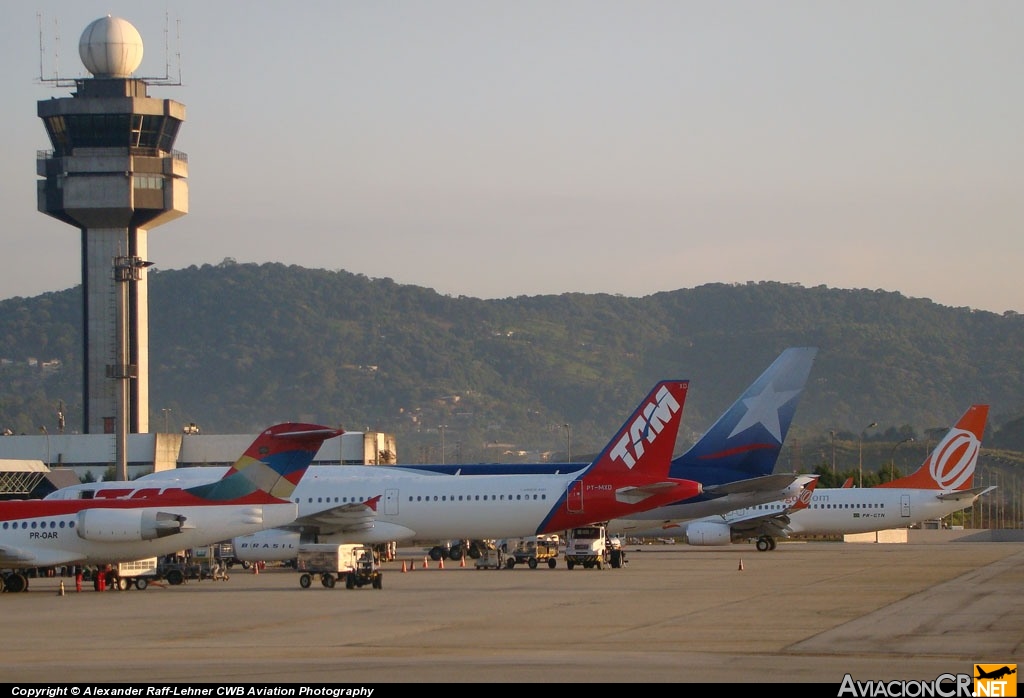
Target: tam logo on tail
column 651, row 422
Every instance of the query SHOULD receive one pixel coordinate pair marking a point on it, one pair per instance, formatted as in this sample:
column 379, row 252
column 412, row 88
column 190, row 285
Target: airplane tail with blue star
column 744, row 444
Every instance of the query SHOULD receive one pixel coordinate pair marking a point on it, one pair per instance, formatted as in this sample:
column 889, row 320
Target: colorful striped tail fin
column 274, row 463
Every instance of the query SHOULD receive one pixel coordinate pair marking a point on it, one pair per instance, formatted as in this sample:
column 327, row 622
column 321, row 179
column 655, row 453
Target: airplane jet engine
column 124, row 525
column 708, row 533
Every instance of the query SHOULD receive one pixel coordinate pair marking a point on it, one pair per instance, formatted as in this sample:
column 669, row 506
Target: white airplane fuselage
column 413, row 505
column 98, row 536
column 831, row 511
column 860, row 510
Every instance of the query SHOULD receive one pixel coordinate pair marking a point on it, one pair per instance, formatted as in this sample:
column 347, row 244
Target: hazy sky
column 495, row 149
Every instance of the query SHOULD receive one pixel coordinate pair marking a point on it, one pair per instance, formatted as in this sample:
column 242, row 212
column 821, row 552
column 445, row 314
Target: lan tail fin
column 746, row 440
column 950, row 466
column 273, row 464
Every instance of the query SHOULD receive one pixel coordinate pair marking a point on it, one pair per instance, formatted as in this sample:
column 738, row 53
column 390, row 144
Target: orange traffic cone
column 440, row 564
column 741, row 564
column 404, row 568
column 462, row 561
column 255, row 568
column 424, row 562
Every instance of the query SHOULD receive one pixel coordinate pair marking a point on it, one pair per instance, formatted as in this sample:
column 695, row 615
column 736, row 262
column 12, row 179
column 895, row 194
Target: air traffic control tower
column 114, row 175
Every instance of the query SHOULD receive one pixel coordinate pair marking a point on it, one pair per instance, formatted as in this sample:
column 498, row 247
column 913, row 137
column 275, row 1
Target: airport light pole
column 43, row 430
column 167, row 412
column 568, row 443
column 127, row 271
column 892, row 457
column 860, row 454
column 832, row 436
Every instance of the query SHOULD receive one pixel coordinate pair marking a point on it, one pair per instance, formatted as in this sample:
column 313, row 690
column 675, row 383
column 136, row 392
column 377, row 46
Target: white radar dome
column 111, row 47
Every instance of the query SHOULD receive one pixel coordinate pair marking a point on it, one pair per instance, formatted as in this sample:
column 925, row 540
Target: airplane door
column 391, row 502
column 574, row 497
column 905, row 505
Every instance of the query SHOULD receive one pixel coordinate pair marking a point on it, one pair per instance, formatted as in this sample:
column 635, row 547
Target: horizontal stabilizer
column 320, row 433
column 638, row 493
column 965, row 495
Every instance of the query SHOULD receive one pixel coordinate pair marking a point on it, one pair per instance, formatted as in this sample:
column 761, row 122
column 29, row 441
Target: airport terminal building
column 33, row 465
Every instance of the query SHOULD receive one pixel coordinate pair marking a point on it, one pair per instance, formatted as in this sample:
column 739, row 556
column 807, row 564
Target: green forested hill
column 235, row 347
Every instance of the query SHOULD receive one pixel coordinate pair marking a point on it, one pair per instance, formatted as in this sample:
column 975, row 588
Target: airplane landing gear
column 765, row 543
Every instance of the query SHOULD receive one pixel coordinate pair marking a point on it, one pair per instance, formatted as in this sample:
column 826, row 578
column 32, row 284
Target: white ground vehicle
column 591, row 546
column 351, row 563
column 491, row 557
column 137, row 573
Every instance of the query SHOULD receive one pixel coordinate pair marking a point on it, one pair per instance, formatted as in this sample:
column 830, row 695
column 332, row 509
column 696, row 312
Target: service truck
column 349, row 563
column 590, row 546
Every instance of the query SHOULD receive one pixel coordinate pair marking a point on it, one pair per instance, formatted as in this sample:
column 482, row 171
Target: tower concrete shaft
column 113, row 173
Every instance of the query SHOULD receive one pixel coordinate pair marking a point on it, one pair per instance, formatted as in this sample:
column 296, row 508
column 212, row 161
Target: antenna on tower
column 56, row 80
column 39, row 19
column 166, row 79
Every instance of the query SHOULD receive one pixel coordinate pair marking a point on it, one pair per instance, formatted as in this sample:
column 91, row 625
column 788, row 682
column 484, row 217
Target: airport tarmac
column 805, row 613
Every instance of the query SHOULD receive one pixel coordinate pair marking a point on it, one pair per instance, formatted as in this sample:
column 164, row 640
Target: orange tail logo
column 951, row 465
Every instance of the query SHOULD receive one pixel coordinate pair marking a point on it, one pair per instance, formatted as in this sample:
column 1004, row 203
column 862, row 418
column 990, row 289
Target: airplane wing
column 347, row 518
column 754, row 485
column 18, row 557
column 774, row 523
column 11, row 555
column 964, row 495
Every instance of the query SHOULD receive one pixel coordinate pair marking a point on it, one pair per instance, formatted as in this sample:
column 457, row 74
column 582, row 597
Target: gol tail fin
column 273, row 464
column 950, row 466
